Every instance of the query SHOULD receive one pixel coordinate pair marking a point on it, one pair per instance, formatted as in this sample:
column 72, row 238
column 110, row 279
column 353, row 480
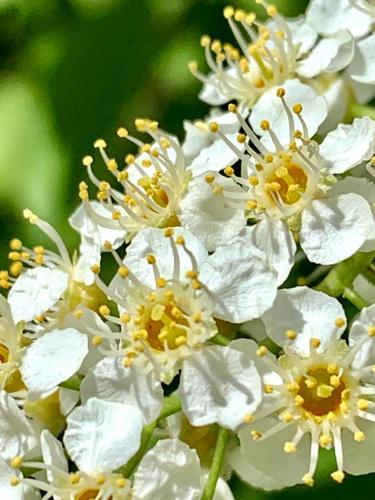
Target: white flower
column 52, row 359
column 317, row 394
column 366, row 6
column 169, row 291
column 288, row 178
column 54, row 285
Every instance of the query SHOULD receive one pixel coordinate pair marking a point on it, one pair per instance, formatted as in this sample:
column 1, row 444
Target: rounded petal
column 88, row 228
column 53, row 454
column 310, row 313
column 358, row 333
column 101, row 435
column 208, row 216
column 328, row 17
column 304, row 36
column 36, row 291
column 264, row 464
column 153, row 241
column 349, row 145
column 112, row 381
column 362, row 68
column 335, row 228
column 220, row 385
column 169, row 471
column 359, row 457
column 89, row 254
column 241, row 282
column 52, row 359
column 18, row 492
column 270, row 107
column 337, row 96
column 363, row 92
column 277, row 241
column 211, row 93
column 331, row 54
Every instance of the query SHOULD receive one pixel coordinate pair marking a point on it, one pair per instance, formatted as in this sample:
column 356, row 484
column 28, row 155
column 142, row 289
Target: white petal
column 208, row 216
column 241, row 281
column 362, row 68
column 349, row 145
column 211, row 93
column 36, row 291
column 331, row 54
column 7, row 491
column 359, row 457
column 359, row 332
column 52, row 358
column 275, row 239
column 169, row 471
column 310, row 313
column 366, row 189
column 222, row 491
column 264, row 464
column 68, row 400
column 363, row 92
column 220, row 385
column 17, row 436
column 153, row 241
column 82, row 223
column 89, row 254
column 328, row 17
column 111, row 381
column 270, row 107
column 337, row 96
column 53, row 454
column 335, row 228
column 101, row 435
column 303, row 35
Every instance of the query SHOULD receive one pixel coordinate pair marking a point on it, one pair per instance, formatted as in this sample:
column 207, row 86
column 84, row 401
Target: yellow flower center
column 89, row 296
column 89, row 495
column 4, row 353
column 289, row 181
column 321, row 391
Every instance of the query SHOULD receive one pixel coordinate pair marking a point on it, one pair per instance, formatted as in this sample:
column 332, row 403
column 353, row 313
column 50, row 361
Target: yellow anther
column 157, row 312
column 325, row 440
column 338, row 476
column 324, row 391
column 123, row 271
column 16, row 462
column 181, row 340
column 104, row 186
column 253, row 180
column 345, row 395
column 228, row 12
column 371, row 331
column 125, row 318
column 15, row 269
column 101, row 479
column 112, row 165
column 197, row 317
column 315, row 343
column 293, row 387
column 104, row 310
column 95, row 268
column 107, row 245
column 191, row 274
column 248, row 418
column 100, row 144
column 78, row 313
column 120, row 482
column 209, row 178
column 205, row 41
column 14, row 481
column 214, row 127
column 216, row 46
column 280, row 92
column 299, row 400
column 239, row 15
column 265, row 125
column 176, row 312
column 232, row 108
column 197, row 285
column 151, row 259
column 129, row 159
column 122, row 132
column 268, row 389
column 168, row 232
column 255, row 435
column 362, row 404
column 193, row 66
column 228, row 171
column 241, row 138
column 308, row 480
column 15, row 244
column 74, row 478
column 271, row 10
column 161, row 282
column 290, row 447
column 335, row 381
column 286, row 417
column 297, row 108
column 128, row 362
column 39, row 259
column 28, row 215
column 340, row 322
column 332, row 369
column 331, row 417
column 251, row 205
column 169, row 295
column 262, row 351
column 14, row 255
column 274, row 186
column 180, row 240
column 96, row 340
column 310, row 382
column 217, row 190
column 359, row 436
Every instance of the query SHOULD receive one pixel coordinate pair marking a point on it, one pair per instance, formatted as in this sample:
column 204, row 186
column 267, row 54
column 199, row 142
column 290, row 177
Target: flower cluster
column 205, row 303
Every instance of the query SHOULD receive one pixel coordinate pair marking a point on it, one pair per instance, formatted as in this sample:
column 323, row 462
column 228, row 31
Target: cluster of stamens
column 152, row 181
column 266, row 56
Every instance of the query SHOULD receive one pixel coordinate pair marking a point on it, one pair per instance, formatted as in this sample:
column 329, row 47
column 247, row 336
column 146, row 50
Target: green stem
column 217, row 463
column 171, row 405
column 354, row 298
column 344, row 273
column 220, row 340
column 72, row 383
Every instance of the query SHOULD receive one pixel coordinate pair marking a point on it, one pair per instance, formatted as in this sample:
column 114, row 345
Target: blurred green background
column 74, row 70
